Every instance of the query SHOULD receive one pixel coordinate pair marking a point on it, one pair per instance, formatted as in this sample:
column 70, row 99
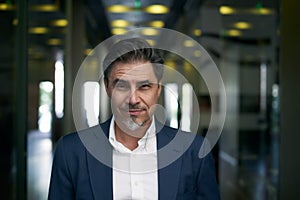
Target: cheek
column 118, row 98
column 151, row 99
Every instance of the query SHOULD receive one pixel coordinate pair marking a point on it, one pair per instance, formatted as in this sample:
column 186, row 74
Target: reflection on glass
column 187, row 104
column 45, row 106
column 91, row 102
column 59, row 89
column 263, row 87
column 275, row 136
column 171, row 96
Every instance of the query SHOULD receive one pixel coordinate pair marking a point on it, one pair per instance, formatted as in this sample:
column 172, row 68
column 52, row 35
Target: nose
column 134, row 97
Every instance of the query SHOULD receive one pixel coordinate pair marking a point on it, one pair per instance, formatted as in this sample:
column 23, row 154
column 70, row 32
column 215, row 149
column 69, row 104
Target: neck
column 128, row 137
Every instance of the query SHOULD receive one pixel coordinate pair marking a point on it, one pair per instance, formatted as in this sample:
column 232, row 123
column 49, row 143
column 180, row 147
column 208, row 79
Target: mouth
column 134, row 112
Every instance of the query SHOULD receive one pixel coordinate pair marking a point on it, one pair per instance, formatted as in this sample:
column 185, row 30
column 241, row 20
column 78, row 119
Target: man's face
column 134, row 90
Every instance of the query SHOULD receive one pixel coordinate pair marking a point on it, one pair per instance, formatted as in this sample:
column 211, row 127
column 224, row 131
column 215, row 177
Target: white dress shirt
column 135, row 172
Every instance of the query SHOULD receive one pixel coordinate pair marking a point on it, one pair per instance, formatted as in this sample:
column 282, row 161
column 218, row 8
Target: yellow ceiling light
column 60, row 22
column 156, row 9
column 45, row 8
column 54, row 41
column 187, row 66
column 170, row 63
column 151, row 42
column 118, row 31
column 118, row 9
column 197, row 53
column 226, row 10
column 189, row 43
column 261, row 11
column 38, row 30
column 149, row 31
column 88, row 51
column 266, row 11
column 157, row 24
column 242, row 25
column 233, row 33
column 15, row 22
column 197, row 32
column 120, row 23
column 5, row 6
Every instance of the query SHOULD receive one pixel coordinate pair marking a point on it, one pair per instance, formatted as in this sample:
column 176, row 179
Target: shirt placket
column 136, row 179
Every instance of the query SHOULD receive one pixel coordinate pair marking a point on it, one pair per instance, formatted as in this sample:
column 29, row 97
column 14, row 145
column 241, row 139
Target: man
column 140, row 158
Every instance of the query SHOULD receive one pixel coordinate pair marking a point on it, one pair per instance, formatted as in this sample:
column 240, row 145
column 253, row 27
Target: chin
column 131, row 125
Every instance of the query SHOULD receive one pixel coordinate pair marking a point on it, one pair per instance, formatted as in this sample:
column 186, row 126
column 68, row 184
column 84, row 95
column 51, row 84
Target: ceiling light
column 5, row 6
column 120, row 23
column 151, row 42
column 242, row 25
column 38, row 30
column 149, row 31
column 189, row 43
column 170, row 63
column 197, row 53
column 233, row 33
column 15, row 22
column 60, row 22
column 54, row 41
column 261, row 11
column 118, row 31
column 118, row 9
column 88, row 51
column 44, row 8
column 156, row 9
column 157, row 24
column 197, row 32
column 187, row 66
column 226, row 10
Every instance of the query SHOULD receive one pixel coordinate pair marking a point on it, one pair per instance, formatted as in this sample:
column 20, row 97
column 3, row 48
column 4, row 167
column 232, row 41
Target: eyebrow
column 144, row 82
column 117, row 80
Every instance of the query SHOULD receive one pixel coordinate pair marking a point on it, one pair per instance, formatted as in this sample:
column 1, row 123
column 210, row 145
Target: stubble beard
column 133, row 125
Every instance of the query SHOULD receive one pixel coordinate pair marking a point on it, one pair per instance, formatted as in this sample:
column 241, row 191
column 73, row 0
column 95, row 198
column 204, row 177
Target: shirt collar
column 141, row 143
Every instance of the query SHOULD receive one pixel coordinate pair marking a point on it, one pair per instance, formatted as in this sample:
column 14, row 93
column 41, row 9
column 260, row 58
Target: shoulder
column 74, row 141
column 76, row 138
column 175, row 132
column 70, row 138
column 68, row 146
column 187, row 140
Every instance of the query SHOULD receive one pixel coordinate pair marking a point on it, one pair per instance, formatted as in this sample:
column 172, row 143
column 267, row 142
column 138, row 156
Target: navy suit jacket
column 78, row 174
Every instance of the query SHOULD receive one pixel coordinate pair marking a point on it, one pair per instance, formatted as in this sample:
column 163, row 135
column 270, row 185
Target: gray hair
column 131, row 50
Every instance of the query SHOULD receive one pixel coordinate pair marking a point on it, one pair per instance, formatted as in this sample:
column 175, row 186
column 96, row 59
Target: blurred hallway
column 254, row 43
column 39, row 165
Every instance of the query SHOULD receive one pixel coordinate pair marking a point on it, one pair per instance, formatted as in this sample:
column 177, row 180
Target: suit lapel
column 101, row 179
column 99, row 164
column 168, row 173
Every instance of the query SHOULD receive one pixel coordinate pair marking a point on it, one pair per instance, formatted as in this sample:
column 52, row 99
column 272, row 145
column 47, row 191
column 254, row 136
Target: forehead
column 133, row 71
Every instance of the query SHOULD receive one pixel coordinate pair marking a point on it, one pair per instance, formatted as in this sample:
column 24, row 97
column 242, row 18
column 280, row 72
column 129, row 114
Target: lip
column 135, row 111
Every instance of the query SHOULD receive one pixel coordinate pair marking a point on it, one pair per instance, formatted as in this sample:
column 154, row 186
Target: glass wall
column 243, row 39
column 47, row 28
column 32, row 88
column 8, row 103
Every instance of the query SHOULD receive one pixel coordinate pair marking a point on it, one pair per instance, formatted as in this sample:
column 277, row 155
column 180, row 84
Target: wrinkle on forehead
column 137, row 71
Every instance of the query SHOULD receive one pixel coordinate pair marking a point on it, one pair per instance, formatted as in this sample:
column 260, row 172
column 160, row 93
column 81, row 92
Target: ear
column 108, row 91
column 159, row 88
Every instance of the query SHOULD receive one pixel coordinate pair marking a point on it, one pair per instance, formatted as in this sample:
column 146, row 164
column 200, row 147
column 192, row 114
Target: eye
column 123, row 86
column 145, row 86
